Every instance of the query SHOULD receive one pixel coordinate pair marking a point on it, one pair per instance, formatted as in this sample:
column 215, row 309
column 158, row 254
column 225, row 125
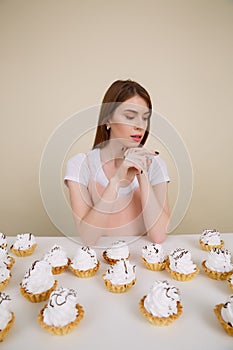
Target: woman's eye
column 129, row 117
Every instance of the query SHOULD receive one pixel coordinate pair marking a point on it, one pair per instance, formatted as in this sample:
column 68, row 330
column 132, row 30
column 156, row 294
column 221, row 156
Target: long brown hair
column 118, row 92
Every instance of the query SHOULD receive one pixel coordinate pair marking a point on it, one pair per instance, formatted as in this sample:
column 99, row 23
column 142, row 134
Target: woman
column 119, row 188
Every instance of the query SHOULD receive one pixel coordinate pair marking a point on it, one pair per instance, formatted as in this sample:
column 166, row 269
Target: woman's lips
column 136, row 138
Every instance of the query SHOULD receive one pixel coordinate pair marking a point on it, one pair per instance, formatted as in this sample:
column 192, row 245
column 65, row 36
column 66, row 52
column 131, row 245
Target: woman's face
column 129, row 121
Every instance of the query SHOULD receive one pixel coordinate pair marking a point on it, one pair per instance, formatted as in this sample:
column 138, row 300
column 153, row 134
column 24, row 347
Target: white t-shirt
column 79, row 169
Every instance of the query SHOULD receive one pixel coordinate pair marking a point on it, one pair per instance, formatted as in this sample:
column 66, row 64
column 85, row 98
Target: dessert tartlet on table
column 162, row 305
column 118, row 250
column 3, row 240
column 218, row 264
column 210, row 239
column 180, row 265
column 120, row 276
column 24, row 245
column 62, row 314
column 38, row 282
column 6, row 259
column 85, row 263
column 58, row 259
column 5, row 276
column 7, row 316
column 224, row 314
column 230, row 281
column 153, row 257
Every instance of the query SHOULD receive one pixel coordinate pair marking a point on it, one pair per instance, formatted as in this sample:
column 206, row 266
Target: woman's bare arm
column 155, row 208
column 91, row 219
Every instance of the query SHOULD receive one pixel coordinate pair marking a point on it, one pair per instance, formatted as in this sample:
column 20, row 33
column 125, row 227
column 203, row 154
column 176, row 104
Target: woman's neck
column 112, row 151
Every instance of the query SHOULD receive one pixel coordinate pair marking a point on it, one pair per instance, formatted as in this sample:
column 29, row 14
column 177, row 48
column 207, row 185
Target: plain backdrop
column 58, row 57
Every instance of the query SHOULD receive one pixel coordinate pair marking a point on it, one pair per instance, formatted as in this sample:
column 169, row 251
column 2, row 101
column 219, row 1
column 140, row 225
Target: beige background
column 59, row 56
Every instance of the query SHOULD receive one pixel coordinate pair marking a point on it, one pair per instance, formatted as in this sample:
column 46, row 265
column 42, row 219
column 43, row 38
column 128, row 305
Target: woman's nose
column 139, row 124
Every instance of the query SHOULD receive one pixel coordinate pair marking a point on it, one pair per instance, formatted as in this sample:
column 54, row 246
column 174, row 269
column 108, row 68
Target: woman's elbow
column 158, row 233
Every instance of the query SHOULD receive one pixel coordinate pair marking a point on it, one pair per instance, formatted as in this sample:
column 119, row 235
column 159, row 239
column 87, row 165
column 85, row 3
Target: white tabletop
column 113, row 321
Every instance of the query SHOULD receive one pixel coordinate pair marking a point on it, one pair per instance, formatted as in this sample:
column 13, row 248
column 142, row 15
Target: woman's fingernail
column 141, row 171
column 156, row 152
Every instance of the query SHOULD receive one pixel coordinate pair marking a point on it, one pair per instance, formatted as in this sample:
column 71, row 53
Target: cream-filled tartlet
column 3, row 240
column 58, row 259
column 162, row 305
column 85, row 262
column 38, row 282
column 120, row 276
column 24, row 244
column 6, row 259
column 180, row 265
column 7, row 316
column 153, row 257
column 230, row 282
column 5, row 276
column 210, row 239
column 118, row 250
column 224, row 314
column 62, row 313
column 218, row 264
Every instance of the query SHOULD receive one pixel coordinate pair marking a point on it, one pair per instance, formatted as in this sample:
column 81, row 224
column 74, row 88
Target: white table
column 113, row 321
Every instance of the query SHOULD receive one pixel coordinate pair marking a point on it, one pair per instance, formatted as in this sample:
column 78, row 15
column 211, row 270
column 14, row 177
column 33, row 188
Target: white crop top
column 77, row 169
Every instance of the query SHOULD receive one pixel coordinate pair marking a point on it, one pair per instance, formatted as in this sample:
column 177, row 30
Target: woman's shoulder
column 77, row 158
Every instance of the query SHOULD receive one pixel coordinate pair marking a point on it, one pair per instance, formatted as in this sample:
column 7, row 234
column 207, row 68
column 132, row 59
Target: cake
column 62, row 313
column 153, row 257
column 85, row 262
column 7, row 316
column 230, row 282
column 38, row 282
column 210, row 239
column 218, row 264
column 224, row 314
column 180, row 265
column 162, row 305
column 118, row 250
column 24, row 244
column 6, row 259
column 5, row 276
column 58, row 259
column 120, row 276
column 3, row 240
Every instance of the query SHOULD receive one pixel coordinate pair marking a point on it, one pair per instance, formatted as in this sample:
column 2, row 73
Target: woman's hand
column 136, row 162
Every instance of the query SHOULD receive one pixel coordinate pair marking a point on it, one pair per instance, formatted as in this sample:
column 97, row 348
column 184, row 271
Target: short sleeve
column 77, row 169
column 158, row 171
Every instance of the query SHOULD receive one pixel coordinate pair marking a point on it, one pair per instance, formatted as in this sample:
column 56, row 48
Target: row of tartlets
column 161, row 306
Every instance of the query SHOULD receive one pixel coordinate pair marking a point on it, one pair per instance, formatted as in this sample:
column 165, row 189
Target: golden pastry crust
column 56, row 270
column 22, row 253
column 181, row 276
column 11, row 263
column 154, row 266
column 230, row 283
column 111, row 261
column 217, row 310
column 159, row 321
column 85, row 273
column 208, row 247
column 37, row 298
column 215, row 274
column 121, row 288
column 65, row 329
column 3, row 332
column 4, row 283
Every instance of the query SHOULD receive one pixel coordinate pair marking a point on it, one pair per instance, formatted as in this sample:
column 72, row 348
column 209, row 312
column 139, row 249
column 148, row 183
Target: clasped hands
column 136, row 161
